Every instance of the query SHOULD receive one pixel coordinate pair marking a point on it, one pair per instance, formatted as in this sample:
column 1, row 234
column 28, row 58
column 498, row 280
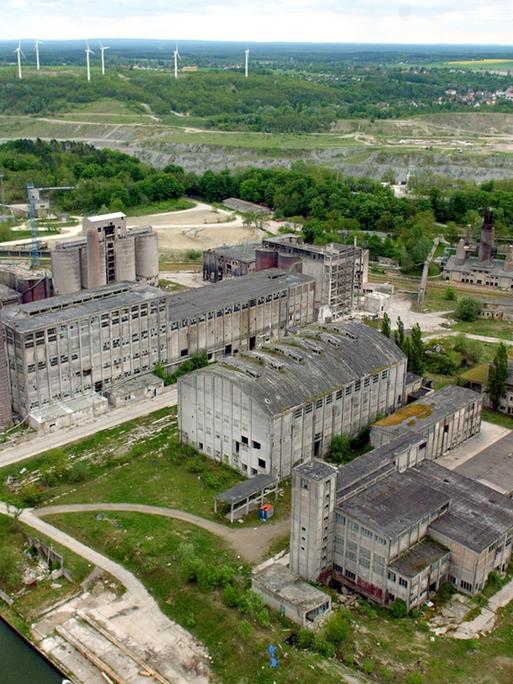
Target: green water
column 20, row 663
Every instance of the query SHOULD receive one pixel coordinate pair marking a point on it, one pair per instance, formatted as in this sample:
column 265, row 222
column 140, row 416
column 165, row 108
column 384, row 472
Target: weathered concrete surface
column 136, row 615
column 36, row 445
column 489, row 434
column 250, row 543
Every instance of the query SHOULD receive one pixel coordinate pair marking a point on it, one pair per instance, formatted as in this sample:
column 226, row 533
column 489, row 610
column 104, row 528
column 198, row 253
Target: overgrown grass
column 487, row 328
column 498, row 418
column 151, row 549
column 160, row 207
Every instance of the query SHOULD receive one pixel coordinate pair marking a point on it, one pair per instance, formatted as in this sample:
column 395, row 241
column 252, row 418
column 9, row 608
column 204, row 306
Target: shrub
column 10, row 567
column 368, row 665
column 263, row 618
column 445, row 591
column 305, row 638
column 337, row 628
column 251, row 603
column 78, row 473
column 191, row 569
column 414, row 678
column 450, row 294
column 468, row 309
column 231, row 596
column 322, row 646
column 399, row 608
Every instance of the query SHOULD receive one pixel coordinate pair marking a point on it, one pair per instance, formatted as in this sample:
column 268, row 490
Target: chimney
column 461, row 252
column 94, row 278
column 487, row 237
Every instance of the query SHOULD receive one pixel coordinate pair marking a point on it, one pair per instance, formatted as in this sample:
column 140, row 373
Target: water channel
column 22, row 664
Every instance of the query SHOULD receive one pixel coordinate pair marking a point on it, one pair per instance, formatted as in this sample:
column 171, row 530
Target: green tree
column 385, row 325
column 340, row 449
column 417, row 351
column 450, row 294
column 399, row 335
column 498, row 376
column 468, row 309
column 10, row 567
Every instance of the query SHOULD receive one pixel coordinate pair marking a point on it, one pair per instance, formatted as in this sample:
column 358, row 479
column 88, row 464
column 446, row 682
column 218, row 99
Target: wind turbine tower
column 88, row 53
column 19, row 54
column 246, row 62
column 176, row 57
column 102, row 51
column 36, row 48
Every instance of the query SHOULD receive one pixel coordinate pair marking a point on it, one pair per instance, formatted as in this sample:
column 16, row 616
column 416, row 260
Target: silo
column 95, row 261
column 5, row 394
column 66, row 271
column 147, row 257
column 125, row 259
column 265, row 258
column 287, row 261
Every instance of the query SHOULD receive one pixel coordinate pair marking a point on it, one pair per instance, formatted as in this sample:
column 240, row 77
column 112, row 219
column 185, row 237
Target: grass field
column 151, row 549
column 481, row 64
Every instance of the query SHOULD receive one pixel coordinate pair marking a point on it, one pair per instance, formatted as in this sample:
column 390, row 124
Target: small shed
column 248, row 494
column 135, row 389
column 291, row 596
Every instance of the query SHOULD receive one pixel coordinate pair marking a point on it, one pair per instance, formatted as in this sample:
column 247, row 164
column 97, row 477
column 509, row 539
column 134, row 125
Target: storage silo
column 147, row 257
column 66, row 270
column 125, row 259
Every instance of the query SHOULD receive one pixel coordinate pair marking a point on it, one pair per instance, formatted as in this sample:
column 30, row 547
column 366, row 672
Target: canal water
column 20, row 663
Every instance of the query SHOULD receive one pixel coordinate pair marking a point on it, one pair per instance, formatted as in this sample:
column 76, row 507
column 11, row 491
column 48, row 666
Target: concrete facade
column 445, row 418
column 398, row 526
column 95, row 339
column 268, row 410
column 108, row 252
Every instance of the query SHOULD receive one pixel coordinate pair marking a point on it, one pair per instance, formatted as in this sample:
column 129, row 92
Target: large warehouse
column 268, row 410
column 71, row 345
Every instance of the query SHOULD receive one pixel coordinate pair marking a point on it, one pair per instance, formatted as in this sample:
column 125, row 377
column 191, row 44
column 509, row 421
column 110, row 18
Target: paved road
column 470, row 336
column 37, row 445
column 250, row 543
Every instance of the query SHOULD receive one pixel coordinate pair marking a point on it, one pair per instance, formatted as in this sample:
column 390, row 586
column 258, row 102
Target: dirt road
column 249, row 543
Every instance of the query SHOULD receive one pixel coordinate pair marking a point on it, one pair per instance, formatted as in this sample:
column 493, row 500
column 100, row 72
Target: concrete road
column 250, row 543
column 37, row 444
column 488, row 435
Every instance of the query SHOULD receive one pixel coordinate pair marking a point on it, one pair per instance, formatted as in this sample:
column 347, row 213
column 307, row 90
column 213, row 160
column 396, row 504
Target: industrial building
column 477, row 379
column 485, row 269
column 268, row 410
column 340, row 271
column 31, row 284
column 94, row 340
column 445, row 418
column 394, row 525
column 108, row 252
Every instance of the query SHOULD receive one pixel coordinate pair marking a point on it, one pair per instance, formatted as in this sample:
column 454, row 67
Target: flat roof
column 472, row 263
column 200, row 300
column 316, row 470
column 138, row 381
column 281, row 581
column 419, row 557
column 493, row 466
column 428, row 410
column 26, row 318
column 395, row 503
column 305, row 366
column 107, row 217
column 243, row 252
column 246, row 488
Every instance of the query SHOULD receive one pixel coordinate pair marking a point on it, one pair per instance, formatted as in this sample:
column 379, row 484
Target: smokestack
column 468, row 236
column 461, row 252
column 487, row 237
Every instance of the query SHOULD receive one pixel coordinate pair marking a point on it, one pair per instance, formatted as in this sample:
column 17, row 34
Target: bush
column 191, row 569
column 337, row 628
column 468, row 309
column 399, row 608
column 78, row 473
column 263, row 618
column 231, row 597
column 10, row 567
column 445, row 591
column 368, row 666
column 251, row 603
column 322, row 646
column 450, row 294
column 305, row 638
column 414, row 678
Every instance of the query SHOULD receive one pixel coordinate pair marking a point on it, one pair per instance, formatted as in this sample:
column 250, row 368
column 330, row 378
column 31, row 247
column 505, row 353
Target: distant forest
column 294, row 98
column 330, row 208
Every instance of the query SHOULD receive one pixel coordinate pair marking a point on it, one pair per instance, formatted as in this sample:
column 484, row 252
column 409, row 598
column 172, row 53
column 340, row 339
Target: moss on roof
column 411, row 413
column 477, row 374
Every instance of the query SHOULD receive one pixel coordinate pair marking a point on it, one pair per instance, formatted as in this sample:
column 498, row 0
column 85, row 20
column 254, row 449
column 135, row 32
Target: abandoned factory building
column 268, row 410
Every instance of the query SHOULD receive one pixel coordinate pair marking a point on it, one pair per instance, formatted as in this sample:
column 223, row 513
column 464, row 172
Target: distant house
column 477, row 379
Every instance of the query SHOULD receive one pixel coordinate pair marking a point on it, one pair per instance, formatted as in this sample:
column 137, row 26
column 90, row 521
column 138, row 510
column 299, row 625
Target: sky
column 338, row 21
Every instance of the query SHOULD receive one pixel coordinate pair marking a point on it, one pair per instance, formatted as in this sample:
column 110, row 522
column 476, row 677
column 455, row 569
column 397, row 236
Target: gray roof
column 395, row 504
column 235, row 290
column 368, row 465
column 308, row 364
column 492, row 466
column 281, row 581
column 493, row 266
column 296, row 242
column 34, row 316
column 137, row 382
column 478, row 515
column 428, row 410
column 246, row 488
column 419, row 557
column 7, row 293
column 316, row 470
column 243, row 252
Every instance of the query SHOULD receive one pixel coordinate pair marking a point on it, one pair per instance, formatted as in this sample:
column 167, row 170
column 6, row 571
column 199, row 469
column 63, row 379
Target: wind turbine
column 176, row 57
column 246, row 62
column 19, row 54
column 88, row 53
column 102, row 50
column 36, row 48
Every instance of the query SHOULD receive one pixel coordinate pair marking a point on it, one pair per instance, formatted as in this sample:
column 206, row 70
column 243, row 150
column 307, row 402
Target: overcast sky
column 380, row 21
